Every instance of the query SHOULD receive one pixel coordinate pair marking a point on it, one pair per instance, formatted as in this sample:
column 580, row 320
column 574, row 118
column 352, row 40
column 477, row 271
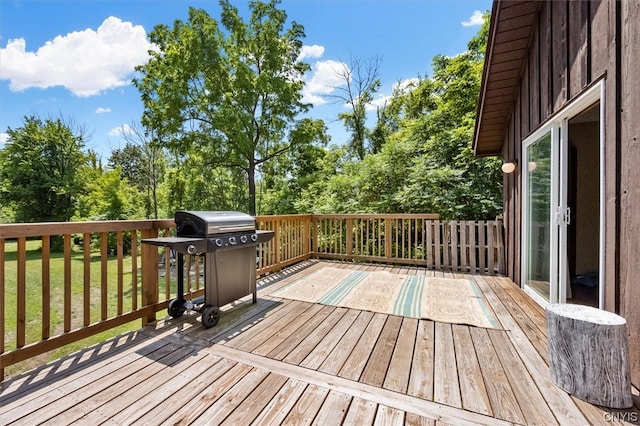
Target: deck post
column 348, row 236
column 149, row 274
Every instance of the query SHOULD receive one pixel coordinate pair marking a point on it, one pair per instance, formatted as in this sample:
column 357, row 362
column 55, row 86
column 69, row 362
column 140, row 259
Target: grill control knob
column 254, row 237
column 191, row 249
column 218, row 242
column 232, row 240
column 243, row 239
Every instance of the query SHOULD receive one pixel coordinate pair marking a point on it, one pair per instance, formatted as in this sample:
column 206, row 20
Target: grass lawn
column 34, row 298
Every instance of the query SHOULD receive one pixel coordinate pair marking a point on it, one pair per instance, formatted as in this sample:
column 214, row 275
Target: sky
column 75, row 59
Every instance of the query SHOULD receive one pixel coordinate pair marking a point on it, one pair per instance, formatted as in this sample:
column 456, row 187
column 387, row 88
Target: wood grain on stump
column 588, row 354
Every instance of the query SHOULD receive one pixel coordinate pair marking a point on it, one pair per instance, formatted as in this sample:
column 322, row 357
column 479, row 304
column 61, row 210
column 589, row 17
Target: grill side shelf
column 183, row 245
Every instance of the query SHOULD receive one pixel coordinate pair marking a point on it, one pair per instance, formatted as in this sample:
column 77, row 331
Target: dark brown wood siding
column 630, row 177
column 574, row 45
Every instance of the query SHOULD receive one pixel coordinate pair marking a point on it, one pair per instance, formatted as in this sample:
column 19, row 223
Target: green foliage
column 423, row 161
column 285, row 177
column 40, row 168
column 142, row 163
column 226, row 90
column 109, row 196
column 221, row 130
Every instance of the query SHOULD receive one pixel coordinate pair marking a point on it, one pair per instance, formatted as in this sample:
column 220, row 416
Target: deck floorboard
column 283, row 361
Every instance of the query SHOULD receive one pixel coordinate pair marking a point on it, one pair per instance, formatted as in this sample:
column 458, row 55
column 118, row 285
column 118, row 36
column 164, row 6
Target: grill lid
column 207, row 223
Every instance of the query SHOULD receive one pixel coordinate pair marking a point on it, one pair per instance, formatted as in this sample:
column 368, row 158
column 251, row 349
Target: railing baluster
column 315, row 223
column 276, row 239
column 464, row 259
column 446, row 246
column 21, row 293
column 472, row 248
column 86, row 279
column 415, row 236
column 104, row 290
column 187, row 263
column 500, row 245
column 429, row 244
column 491, row 242
column 134, row 270
column 120, row 291
column 46, row 287
column 453, row 232
column 197, row 269
column 439, row 246
column 67, row 282
column 481, row 246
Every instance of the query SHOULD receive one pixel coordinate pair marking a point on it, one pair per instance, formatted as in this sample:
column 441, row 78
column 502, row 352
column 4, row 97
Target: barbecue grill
column 228, row 242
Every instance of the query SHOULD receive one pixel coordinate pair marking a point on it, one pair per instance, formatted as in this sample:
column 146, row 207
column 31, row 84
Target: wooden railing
column 104, row 278
column 412, row 239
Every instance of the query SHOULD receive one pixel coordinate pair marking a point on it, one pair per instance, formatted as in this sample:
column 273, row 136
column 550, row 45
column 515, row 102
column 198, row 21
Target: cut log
column 588, row 354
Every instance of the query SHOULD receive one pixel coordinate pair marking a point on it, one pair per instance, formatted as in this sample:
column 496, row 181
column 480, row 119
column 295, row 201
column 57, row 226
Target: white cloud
column 324, row 80
column 380, row 101
column 4, row 137
column 399, row 87
column 85, row 62
column 101, row 110
column 404, row 86
column 475, row 19
column 314, row 52
column 125, row 129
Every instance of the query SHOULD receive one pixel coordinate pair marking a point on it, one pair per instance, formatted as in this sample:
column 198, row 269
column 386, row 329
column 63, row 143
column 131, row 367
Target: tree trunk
column 251, row 177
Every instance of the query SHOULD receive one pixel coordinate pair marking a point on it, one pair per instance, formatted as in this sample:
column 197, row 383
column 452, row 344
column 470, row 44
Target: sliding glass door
column 539, row 194
column 547, row 267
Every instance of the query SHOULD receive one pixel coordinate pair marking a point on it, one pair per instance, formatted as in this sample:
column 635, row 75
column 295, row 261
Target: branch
column 273, row 154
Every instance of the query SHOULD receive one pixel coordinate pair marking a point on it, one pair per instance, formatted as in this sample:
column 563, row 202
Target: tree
column 425, row 162
column 361, row 82
column 440, row 116
column 110, row 196
column 142, row 161
column 230, row 94
column 285, row 177
column 41, row 169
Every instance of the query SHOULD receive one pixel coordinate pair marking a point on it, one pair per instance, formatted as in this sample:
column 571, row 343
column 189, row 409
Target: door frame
column 559, row 128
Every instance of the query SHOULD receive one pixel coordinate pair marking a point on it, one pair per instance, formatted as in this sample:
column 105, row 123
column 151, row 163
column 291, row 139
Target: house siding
column 574, row 45
column 630, row 178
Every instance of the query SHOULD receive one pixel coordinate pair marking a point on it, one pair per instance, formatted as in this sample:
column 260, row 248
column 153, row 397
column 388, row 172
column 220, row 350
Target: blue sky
column 75, row 58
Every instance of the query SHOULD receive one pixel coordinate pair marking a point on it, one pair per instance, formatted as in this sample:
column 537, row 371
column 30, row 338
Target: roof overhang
column 511, row 28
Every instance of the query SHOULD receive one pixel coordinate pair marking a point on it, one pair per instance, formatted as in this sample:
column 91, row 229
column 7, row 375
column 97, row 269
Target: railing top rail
column 428, row 216
column 281, row 216
column 17, row 230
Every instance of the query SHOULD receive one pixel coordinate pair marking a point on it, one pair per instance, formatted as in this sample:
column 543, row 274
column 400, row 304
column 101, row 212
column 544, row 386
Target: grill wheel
column 176, row 308
column 210, row 316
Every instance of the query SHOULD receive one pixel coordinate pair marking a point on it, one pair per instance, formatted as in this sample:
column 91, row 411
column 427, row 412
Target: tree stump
column 588, row 354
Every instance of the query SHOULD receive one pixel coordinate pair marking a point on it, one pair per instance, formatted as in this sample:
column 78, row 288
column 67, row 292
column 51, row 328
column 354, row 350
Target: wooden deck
column 289, row 362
